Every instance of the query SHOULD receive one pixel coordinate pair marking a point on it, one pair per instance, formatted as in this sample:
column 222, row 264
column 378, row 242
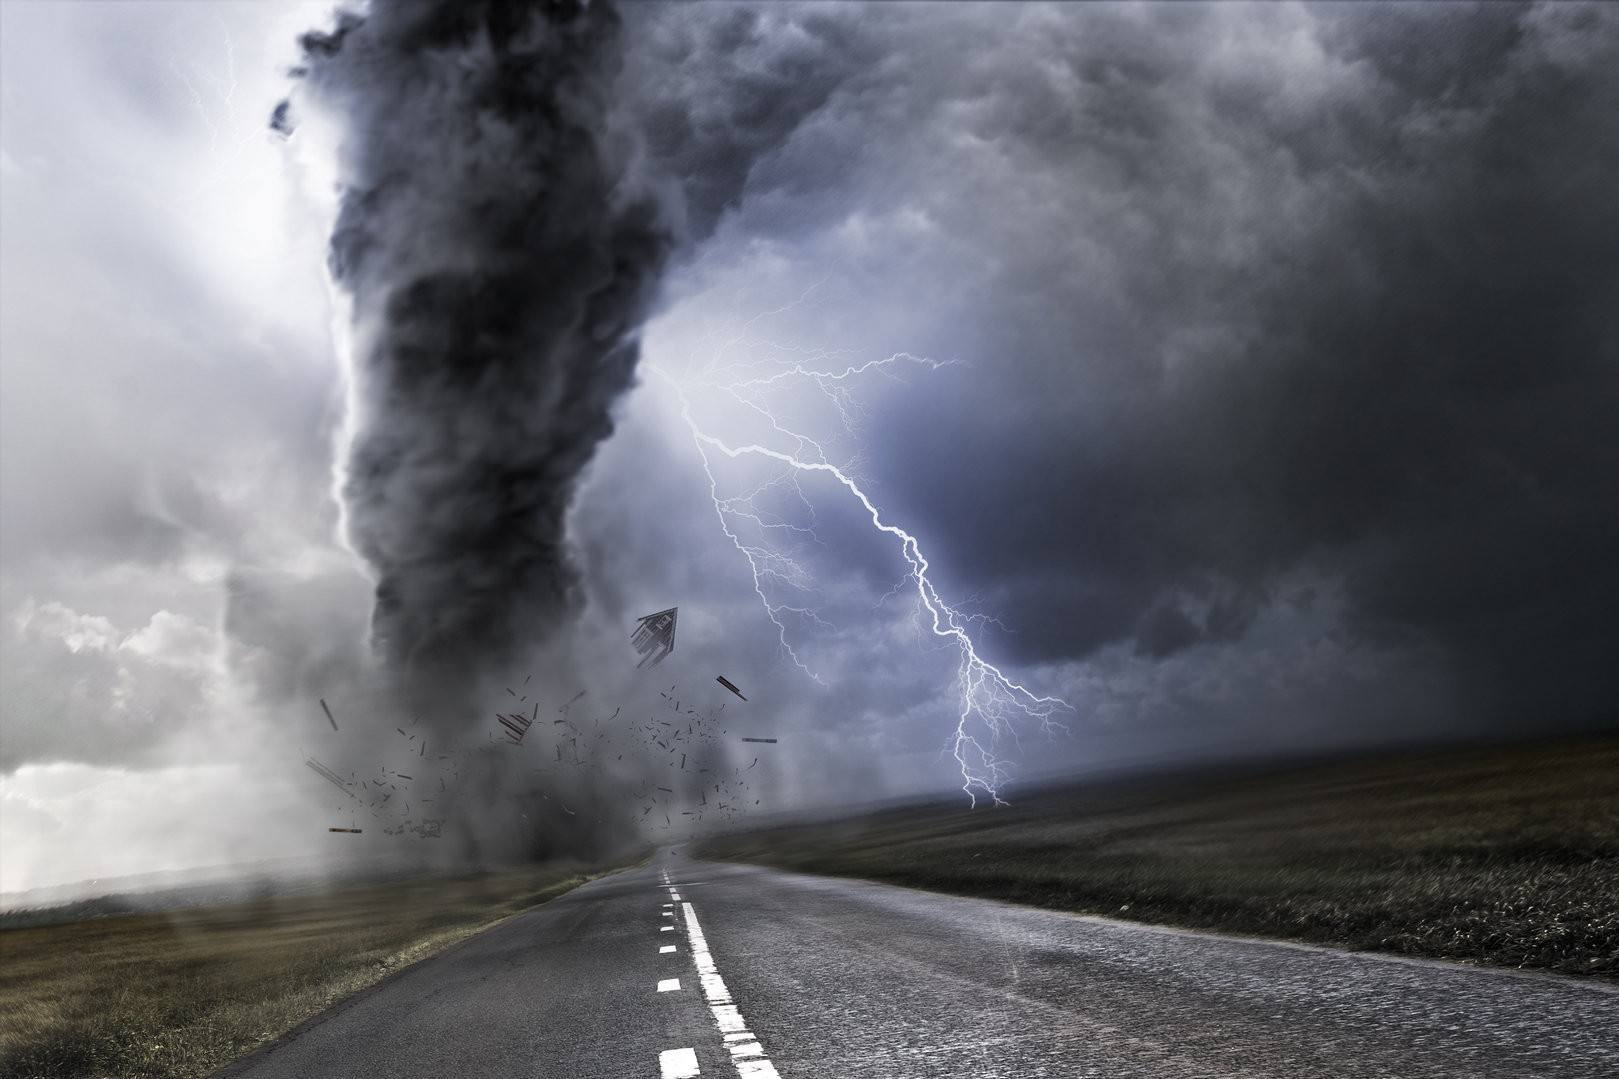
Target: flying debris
column 516, row 725
column 328, row 712
column 326, row 773
column 654, row 636
column 726, row 682
column 350, row 831
column 770, row 741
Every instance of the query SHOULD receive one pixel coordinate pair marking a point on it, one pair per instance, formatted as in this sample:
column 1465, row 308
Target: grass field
column 1507, row 856
column 183, row 992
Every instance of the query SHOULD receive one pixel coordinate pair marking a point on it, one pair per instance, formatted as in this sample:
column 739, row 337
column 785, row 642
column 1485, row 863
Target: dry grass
column 1506, row 856
column 181, row 993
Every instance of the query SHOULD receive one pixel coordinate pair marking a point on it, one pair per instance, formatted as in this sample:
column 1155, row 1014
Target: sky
column 1245, row 375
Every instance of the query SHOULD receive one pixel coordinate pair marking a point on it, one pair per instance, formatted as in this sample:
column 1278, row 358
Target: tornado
column 497, row 250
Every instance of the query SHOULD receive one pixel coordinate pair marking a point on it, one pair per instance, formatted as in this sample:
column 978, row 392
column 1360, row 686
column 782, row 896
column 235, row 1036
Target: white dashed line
column 746, row 1052
column 667, row 929
column 678, row 1063
column 666, row 949
column 669, row 985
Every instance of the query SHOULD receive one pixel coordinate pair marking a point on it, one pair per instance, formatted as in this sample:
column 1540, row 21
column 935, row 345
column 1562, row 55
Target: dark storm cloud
column 1418, row 385
column 1246, row 294
column 1251, row 300
column 499, row 250
column 720, row 88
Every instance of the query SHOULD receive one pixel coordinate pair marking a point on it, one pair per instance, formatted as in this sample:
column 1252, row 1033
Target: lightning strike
column 991, row 703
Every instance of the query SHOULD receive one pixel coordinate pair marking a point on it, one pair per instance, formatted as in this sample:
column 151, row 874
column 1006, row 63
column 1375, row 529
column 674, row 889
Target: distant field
column 183, row 992
column 1504, row 856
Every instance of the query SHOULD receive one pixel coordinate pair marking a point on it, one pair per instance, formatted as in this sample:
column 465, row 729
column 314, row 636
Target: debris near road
column 654, row 636
column 726, row 682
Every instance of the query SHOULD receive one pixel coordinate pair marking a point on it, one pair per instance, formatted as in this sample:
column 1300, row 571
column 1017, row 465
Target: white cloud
column 175, row 641
column 67, row 822
column 77, row 632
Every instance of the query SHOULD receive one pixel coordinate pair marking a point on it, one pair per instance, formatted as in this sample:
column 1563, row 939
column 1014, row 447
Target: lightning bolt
column 991, row 703
column 215, row 103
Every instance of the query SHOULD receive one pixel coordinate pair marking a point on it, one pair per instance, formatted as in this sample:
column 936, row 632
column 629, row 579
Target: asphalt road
column 813, row 978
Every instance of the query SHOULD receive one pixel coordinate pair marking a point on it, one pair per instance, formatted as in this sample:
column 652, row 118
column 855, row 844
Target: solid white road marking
column 669, row 985
column 666, row 949
column 678, row 1063
column 746, row 1052
column 667, row 929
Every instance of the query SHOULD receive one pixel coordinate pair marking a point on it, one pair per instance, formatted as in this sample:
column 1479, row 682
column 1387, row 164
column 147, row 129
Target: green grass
column 1506, row 856
column 183, row 992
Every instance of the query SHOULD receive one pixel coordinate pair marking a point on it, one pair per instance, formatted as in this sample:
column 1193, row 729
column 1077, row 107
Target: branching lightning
column 991, row 703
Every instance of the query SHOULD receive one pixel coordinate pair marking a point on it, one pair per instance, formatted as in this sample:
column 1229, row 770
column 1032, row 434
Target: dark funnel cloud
column 498, row 249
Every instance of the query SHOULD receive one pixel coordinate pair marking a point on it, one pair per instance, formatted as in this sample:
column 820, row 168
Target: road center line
column 678, row 1064
column 746, row 1052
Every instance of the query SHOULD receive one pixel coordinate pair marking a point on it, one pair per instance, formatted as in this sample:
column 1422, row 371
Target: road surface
column 686, row 968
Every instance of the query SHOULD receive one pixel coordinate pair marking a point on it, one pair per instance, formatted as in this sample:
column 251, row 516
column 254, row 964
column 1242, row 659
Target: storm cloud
column 1279, row 408
column 1252, row 301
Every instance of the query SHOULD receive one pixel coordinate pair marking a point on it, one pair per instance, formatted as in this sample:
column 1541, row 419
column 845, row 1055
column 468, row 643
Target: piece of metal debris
column 726, row 682
column 326, row 773
column 328, row 712
column 654, row 636
column 350, row 831
column 771, row 741
column 516, row 725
